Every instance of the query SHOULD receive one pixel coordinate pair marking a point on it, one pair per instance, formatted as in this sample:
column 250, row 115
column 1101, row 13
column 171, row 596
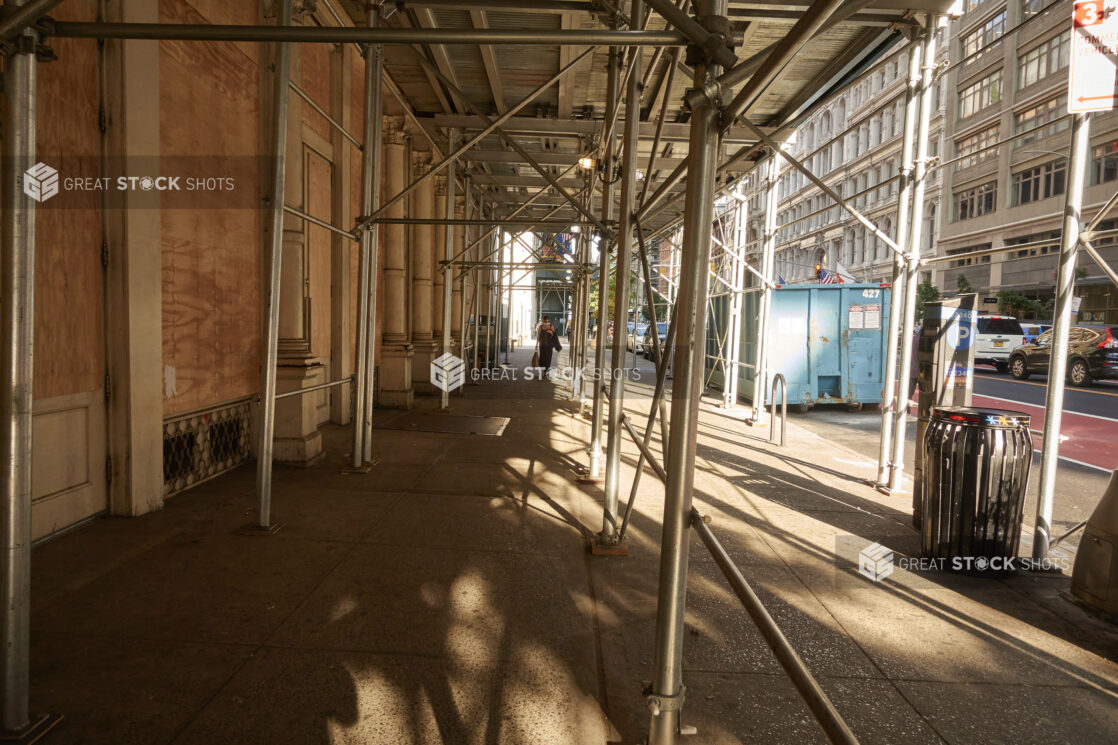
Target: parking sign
column 1093, row 74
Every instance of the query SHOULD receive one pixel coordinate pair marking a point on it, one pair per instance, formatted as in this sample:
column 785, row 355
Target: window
column 1052, row 112
column 974, row 144
column 984, row 34
column 978, row 96
column 976, row 201
column 1039, row 182
column 969, row 260
column 1043, row 60
column 1105, row 163
column 1053, row 245
column 1032, row 7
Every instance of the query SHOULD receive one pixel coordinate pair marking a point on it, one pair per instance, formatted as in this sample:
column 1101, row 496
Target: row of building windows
column 1036, row 64
column 1039, row 182
column 984, row 34
column 968, row 260
column 1043, row 60
column 1051, row 112
column 977, row 96
column 1034, row 183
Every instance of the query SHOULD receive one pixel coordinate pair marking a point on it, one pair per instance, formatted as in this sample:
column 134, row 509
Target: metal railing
column 779, row 378
column 826, row 715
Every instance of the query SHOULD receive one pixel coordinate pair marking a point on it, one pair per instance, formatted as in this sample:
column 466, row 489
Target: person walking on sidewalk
column 546, row 343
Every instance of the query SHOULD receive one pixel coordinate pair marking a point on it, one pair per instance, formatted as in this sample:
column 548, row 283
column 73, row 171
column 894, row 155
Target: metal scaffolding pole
column 347, row 35
column 17, row 295
column 1061, row 325
column 768, row 258
column 275, row 265
column 613, row 84
column 894, row 396
column 912, row 250
column 490, row 127
column 733, row 353
column 624, row 244
column 462, row 301
column 448, row 270
column 367, row 271
column 667, row 692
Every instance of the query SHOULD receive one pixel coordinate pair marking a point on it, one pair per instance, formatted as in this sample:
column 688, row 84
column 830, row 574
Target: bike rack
column 783, row 409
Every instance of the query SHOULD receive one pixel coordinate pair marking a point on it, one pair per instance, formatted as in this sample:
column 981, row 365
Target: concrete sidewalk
column 447, row 597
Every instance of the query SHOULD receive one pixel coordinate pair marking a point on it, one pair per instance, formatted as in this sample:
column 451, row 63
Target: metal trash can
column 976, row 472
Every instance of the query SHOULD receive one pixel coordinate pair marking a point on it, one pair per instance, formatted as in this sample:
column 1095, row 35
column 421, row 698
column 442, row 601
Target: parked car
column 1092, row 354
column 1033, row 330
column 646, row 338
column 997, row 337
column 636, row 337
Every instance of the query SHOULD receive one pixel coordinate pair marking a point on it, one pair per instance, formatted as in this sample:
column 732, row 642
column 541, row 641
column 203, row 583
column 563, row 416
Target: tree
column 926, row 292
column 963, row 286
column 1016, row 304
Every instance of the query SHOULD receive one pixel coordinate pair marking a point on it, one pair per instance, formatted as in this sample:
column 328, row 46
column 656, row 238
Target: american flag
column 829, row 278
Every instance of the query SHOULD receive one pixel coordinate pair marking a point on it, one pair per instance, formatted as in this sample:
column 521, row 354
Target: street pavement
column 1087, row 456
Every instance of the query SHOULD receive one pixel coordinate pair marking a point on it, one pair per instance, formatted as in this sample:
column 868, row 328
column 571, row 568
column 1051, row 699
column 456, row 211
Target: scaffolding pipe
column 613, row 84
column 24, row 15
column 1061, row 329
column 826, row 715
column 317, row 221
column 314, row 388
column 322, row 112
column 448, row 276
column 624, row 244
column 657, row 353
column 893, row 395
column 461, row 279
column 912, row 251
column 667, row 692
column 737, row 275
column 714, row 44
column 372, row 163
column 813, row 20
column 768, row 258
column 275, row 266
column 17, row 309
column 348, row 35
column 1094, row 254
column 491, row 127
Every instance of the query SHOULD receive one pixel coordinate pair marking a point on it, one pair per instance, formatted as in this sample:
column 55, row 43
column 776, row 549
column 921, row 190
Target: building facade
column 853, row 143
column 1009, row 80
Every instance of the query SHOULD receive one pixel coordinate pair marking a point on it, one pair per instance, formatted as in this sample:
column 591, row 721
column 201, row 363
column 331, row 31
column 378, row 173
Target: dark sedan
column 1092, row 354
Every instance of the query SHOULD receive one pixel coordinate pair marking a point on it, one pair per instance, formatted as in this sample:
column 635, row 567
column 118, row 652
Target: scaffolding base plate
column 598, row 548
column 39, row 726
column 365, row 468
column 260, row 530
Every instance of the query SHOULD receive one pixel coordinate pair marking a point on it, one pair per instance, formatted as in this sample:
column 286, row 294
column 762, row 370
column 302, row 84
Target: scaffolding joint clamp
column 661, row 702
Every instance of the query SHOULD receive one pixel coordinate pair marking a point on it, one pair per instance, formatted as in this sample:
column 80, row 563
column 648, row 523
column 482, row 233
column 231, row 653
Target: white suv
column 997, row 337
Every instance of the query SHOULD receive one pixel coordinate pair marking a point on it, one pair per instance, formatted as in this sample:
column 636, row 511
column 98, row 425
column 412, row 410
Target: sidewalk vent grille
column 202, row 444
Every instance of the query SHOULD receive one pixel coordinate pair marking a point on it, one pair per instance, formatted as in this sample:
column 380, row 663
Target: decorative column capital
column 460, row 205
column 420, row 163
column 394, row 132
column 440, row 185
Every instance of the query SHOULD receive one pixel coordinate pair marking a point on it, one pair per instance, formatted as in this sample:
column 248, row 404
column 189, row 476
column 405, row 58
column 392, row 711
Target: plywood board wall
column 69, row 310
column 210, row 105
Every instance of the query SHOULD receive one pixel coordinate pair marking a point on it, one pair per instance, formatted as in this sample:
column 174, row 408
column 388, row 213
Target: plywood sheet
column 69, row 311
column 210, row 105
column 314, row 64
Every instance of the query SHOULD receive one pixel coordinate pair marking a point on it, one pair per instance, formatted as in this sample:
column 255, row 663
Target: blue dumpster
column 828, row 341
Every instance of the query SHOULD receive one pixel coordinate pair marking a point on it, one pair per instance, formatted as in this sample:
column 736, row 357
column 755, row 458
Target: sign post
column 1093, row 73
